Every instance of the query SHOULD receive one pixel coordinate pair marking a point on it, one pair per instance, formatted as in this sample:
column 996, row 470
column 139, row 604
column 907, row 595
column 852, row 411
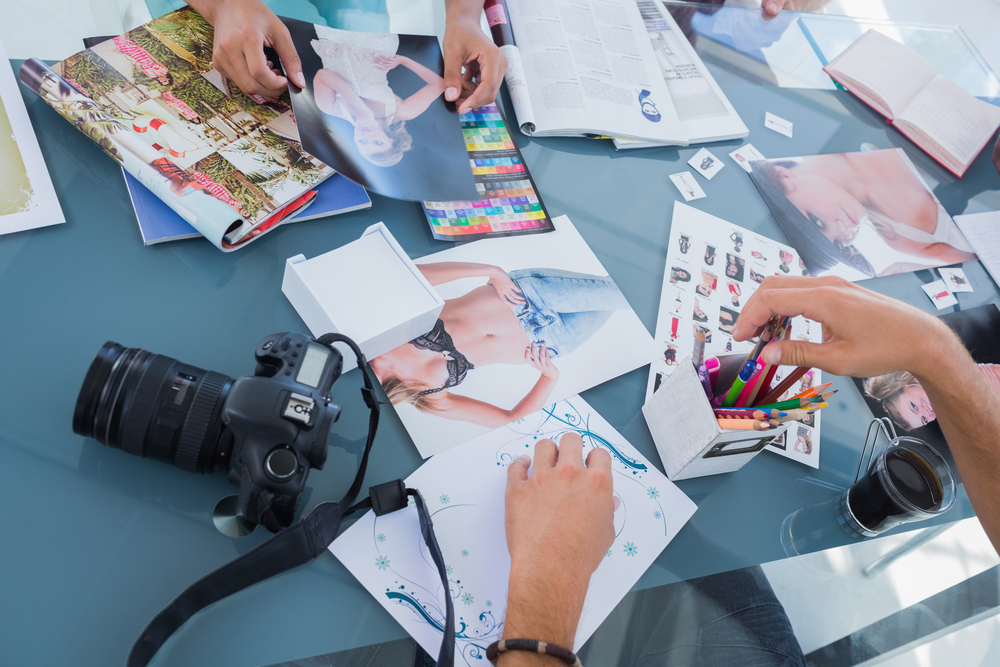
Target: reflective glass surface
column 96, row 542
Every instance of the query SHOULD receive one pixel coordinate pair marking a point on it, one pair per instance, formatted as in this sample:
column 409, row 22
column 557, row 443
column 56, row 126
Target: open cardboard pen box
column 368, row 290
column 685, row 429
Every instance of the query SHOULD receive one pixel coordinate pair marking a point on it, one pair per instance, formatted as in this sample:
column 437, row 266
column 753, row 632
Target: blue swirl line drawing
column 626, row 461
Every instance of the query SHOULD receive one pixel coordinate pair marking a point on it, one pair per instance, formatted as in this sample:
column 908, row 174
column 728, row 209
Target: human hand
column 537, row 356
column 559, row 523
column 465, row 44
column 388, row 62
column 505, row 287
column 864, row 333
column 242, row 29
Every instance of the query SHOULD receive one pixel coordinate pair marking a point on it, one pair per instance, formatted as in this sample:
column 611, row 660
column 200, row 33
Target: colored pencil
column 795, row 415
column 813, row 391
column 786, row 332
column 784, row 386
column 794, row 403
column 743, row 425
column 743, row 413
column 699, row 349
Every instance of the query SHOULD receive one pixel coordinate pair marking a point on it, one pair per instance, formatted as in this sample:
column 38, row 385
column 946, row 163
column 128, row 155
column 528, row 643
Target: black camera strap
column 300, row 543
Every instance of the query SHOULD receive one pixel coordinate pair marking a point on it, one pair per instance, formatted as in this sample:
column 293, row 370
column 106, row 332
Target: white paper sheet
column 27, row 197
column 982, row 231
column 713, row 267
column 464, row 490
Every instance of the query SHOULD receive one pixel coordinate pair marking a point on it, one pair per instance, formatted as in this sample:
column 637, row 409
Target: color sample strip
column 509, row 203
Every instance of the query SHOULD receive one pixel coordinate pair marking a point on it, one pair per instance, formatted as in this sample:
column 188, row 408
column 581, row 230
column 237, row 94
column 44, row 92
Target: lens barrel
column 156, row 407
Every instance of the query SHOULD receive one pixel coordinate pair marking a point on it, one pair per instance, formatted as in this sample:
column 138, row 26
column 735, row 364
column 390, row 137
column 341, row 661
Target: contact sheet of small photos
column 509, row 204
column 713, row 267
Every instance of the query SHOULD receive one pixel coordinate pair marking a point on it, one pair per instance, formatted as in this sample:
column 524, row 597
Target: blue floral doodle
column 472, row 650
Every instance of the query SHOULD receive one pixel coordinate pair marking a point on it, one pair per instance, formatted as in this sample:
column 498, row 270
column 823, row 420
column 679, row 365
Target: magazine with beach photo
column 859, row 215
column 230, row 164
column 373, row 109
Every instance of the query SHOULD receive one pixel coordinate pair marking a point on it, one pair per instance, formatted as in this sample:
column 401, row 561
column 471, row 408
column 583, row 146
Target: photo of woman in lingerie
column 868, row 211
column 526, row 316
column 374, row 110
column 734, row 267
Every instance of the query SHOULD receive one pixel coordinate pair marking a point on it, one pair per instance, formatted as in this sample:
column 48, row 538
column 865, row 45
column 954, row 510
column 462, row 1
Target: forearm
column 463, row 11
column 545, row 606
column 444, row 272
column 428, row 75
column 968, row 411
column 534, row 400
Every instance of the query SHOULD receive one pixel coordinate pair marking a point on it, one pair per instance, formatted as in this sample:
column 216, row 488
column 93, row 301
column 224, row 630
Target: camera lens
column 156, row 407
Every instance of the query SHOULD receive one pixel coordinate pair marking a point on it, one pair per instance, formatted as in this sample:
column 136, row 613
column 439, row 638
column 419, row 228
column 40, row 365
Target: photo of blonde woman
column 373, row 108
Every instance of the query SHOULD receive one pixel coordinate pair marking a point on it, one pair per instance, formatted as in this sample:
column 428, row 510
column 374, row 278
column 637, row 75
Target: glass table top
column 96, row 541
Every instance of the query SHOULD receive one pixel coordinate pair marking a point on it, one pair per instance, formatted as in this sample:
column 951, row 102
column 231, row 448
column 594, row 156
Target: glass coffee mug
column 908, row 481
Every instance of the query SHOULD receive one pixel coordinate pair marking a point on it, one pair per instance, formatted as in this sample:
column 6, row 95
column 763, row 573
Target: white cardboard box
column 687, row 435
column 368, row 290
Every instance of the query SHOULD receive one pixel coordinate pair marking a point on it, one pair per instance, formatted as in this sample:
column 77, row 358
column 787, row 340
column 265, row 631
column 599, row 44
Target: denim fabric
column 728, row 619
column 563, row 309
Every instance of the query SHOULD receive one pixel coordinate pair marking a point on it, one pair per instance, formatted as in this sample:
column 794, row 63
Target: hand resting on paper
column 242, row 29
column 466, row 45
column 559, row 522
column 867, row 334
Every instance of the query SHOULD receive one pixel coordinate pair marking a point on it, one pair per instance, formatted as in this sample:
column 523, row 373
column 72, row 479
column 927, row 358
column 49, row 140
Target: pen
column 741, row 400
column 741, row 379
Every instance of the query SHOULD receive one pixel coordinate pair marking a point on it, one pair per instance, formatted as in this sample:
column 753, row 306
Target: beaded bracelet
column 494, row 650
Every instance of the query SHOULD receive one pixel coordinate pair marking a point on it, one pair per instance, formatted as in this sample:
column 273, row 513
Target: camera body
column 266, row 430
column 280, row 419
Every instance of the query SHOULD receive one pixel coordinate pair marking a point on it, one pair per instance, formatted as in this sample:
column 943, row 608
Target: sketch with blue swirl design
column 464, row 490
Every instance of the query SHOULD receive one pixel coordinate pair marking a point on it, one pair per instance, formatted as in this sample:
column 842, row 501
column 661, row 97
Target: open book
column 947, row 122
column 577, row 69
column 230, row 164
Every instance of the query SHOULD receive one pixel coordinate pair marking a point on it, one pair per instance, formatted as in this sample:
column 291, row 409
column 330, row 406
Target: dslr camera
column 266, row 431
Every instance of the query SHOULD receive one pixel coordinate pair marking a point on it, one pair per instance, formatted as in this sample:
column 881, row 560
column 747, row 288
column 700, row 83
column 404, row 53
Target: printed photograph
column 900, row 397
column 859, row 215
column 27, row 198
column 374, row 109
column 526, row 321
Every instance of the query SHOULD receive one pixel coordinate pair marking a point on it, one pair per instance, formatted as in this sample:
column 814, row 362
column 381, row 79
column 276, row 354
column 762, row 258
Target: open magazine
column 702, row 107
column 228, row 163
column 583, row 69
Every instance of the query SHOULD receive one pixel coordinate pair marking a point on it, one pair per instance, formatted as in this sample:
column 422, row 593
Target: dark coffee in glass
column 908, row 481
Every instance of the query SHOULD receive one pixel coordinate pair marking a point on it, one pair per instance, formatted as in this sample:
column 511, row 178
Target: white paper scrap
column 955, row 279
column 778, row 124
column 464, row 491
column 687, row 185
column 982, row 231
column 746, row 154
column 939, row 294
column 706, row 164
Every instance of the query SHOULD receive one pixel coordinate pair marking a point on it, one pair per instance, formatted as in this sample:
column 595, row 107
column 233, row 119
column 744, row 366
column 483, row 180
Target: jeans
column 563, row 309
column 728, row 619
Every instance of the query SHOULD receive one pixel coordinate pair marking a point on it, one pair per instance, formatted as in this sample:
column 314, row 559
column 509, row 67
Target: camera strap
column 300, row 543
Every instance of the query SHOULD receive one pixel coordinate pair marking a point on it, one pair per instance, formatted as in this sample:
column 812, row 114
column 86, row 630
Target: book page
column 590, row 69
column 952, row 119
column 982, row 231
column 883, row 72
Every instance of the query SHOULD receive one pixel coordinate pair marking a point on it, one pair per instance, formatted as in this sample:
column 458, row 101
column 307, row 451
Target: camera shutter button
column 280, row 463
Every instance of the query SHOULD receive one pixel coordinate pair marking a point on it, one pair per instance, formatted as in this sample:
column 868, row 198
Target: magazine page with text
column 591, row 69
